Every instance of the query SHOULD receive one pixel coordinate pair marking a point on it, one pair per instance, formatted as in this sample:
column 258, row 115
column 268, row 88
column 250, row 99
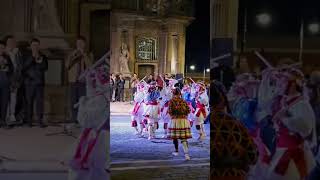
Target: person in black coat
column 6, row 70
column 121, row 82
column 34, row 69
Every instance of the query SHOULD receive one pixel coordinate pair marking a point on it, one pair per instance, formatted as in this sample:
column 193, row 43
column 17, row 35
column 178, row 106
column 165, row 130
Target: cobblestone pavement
column 138, row 158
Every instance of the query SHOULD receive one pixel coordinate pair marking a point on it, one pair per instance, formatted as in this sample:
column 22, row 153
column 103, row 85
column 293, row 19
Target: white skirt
column 164, row 115
column 152, row 112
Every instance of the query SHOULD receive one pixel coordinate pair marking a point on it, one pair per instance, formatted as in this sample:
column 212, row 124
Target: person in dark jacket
column 34, row 69
column 121, row 83
column 6, row 70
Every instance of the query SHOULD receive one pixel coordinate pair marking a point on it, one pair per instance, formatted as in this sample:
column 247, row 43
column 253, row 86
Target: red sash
column 80, row 161
column 154, row 103
column 136, row 108
column 294, row 144
column 202, row 109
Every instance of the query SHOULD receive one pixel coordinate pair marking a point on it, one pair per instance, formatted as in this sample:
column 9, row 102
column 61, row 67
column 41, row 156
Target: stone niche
column 168, row 51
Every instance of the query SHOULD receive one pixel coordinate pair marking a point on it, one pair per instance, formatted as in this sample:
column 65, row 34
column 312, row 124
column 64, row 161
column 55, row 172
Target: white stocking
column 185, row 146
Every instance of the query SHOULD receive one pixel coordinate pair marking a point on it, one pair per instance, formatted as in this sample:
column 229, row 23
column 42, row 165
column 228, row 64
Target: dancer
column 152, row 110
column 138, row 109
column 90, row 158
column 186, row 94
column 179, row 126
column 295, row 124
column 165, row 97
column 201, row 112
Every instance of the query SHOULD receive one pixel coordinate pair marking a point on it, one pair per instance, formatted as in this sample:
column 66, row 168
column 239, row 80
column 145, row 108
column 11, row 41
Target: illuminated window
column 146, row 49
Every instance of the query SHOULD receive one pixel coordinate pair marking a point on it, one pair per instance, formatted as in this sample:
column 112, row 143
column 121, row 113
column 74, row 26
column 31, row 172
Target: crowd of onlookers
column 22, row 81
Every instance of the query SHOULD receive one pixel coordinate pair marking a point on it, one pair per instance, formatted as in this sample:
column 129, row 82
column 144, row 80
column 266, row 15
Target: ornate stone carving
column 45, row 18
column 124, row 58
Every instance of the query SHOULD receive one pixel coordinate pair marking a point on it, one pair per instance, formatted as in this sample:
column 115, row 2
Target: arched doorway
column 145, row 70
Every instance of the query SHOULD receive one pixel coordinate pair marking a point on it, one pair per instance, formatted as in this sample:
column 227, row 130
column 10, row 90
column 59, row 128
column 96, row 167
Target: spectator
column 121, row 83
column 35, row 66
column 76, row 63
column 6, row 69
column 134, row 83
column 16, row 88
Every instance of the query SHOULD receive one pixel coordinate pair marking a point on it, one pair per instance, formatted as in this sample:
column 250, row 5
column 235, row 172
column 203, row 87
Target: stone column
column 131, row 44
column 175, row 51
column 115, row 50
column 182, row 49
column 163, row 40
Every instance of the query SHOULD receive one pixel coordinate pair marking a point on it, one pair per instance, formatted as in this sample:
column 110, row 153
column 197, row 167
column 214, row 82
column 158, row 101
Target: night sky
column 198, row 37
column 286, row 16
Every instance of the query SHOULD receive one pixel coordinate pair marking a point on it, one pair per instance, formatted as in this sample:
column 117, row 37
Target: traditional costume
column 201, row 112
column 186, row 94
column 165, row 97
column 296, row 135
column 138, row 109
column 179, row 126
column 152, row 109
column 90, row 158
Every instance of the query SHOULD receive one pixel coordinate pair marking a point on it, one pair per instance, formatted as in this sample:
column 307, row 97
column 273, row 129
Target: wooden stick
column 101, row 60
column 263, row 59
column 221, row 57
column 142, row 79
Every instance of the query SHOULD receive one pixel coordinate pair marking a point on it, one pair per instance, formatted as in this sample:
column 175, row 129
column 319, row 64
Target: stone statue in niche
column 45, row 18
column 124, row 58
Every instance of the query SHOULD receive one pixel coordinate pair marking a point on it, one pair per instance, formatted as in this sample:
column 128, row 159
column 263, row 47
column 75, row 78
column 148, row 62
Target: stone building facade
column 154, row 33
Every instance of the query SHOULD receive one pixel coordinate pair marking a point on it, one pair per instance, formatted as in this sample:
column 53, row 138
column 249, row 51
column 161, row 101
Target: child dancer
column 179, row 126
column 152, row 110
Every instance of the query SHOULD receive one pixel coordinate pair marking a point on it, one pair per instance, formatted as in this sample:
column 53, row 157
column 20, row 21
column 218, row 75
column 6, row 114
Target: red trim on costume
column 154, row 103
column 134, row 123
column 202, row 109
column 295, row 154
column 136, row 108
column 81, row 160
column 293, row 142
